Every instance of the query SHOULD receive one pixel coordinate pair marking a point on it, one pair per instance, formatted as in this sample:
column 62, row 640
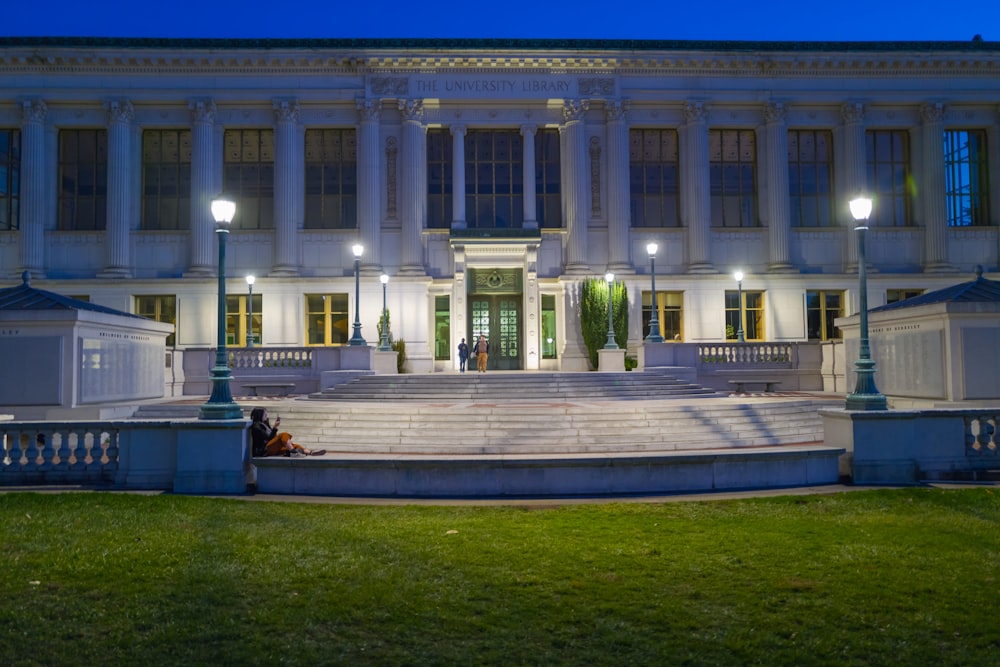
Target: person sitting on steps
column 267, row 441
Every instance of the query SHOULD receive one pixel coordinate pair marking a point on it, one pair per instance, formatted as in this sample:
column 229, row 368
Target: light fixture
column 611, row 344
column 384, row 344
column 654, row 322
column 250, row 282
column 738, row 275
column 866, row 395
column 356, row 338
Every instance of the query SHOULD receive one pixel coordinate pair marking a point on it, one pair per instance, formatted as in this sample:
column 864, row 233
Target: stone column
column 33, row 187
column 204, row 186
column 853, row 174
column 776, row 156
column 413, row 149
column 699, row 200
column 619, row 194
column 458, row 177
column 368, row 185
column 528, row 176
column 574, row 147
column 932, row 194
column 117, row 234
column 288, row 187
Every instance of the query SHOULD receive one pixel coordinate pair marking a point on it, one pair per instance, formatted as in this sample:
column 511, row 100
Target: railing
column 51, row 452
column 255, row 359
column 981, row 434
column 769, row 355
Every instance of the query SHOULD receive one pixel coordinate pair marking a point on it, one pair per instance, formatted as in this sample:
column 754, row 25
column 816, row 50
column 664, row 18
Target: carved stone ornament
column 369, row 110
column 853, row 112
column 33, row 110
column 286, row 111
column 393, row 86
column 695, row 112
column 202, row 111
column 412, row 110
column 932, row 112
column 774, row 112
column 614, row 110
column 575, row 109
column 597, row 87
column 119, row 111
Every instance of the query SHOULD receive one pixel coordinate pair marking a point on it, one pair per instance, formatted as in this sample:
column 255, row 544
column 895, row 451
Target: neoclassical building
column 488, row 178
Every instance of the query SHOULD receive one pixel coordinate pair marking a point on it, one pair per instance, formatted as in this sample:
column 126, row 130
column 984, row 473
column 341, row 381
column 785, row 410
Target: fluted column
column 528, row 176
column 776, row 156
column 204, row 186
column 853, row 175
column 413, row 148
column 574, row 146
column 619, row 211
column 287, row 187
column 117, row 233
column 699, row 200
column 368, row 185
column 458, row 177
column 932, row 192
column 33, row 187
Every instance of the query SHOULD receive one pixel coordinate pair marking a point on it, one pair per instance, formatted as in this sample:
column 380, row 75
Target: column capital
column 33, row 110
column 457, row 130
column 774, row 113
column 852, row 112
column 202, row 111
column 932, row 112
column 286, row 110
column 412, row 110
column 614, row 110
column 369, row 110
column 528, row 130
column 574, row 110
column 119, row 111
column 695, row 112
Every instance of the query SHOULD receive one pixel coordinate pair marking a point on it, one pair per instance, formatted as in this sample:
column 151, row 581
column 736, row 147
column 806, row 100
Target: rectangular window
column 966, row 179
column 889, row 178
column 10, row 179
column 810, row 178
column 442, row 327
column 166, row 179
column 894, row 295
column 670, row 312
column 733, row 177
column 331, row 179
column 548, row 326
column 237, row 321
column 83, row 180
column 439, row 181
column 248, row 176
column 160, row 308
column 548, row 199
column 494, row 181
column 822, row 308
column 327, row 319
column 753, row 315
column 654, row 178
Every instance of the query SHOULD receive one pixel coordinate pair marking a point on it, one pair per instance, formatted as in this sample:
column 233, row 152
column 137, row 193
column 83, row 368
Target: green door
column 499, row 317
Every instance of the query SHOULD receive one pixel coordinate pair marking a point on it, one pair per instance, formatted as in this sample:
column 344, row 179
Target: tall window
column 439, row 182
column 160, row 308
column 822, row 308
column 894, row 295
column 166, row 179
column 10, row 179
column 83, row 179
column 442, row 327
column 653, row 178
column 670, row 307
column 549, row 326
column 331, row 179
column 966, row 180
column 733, row 177
column 237, row 322
column 889, row 178
column 248, row 175
column 810, row 177
column 753, row 315
column 548, row 200
column 326, row 319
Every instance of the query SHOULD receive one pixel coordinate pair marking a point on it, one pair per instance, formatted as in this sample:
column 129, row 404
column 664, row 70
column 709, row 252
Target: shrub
column 594, row 315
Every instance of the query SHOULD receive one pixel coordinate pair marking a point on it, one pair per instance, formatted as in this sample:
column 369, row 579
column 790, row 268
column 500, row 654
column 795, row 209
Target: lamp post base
column 866, row 402
column 220, row 411
column 220, row 404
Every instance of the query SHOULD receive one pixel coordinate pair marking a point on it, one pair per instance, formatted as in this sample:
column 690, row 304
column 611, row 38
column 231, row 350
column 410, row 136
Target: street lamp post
column 356, row 338
column 866, row 395
column 250, row 282
column 739, row 295
column 220, row 404
column 654, row 323
column 611, row 344
column 384, row 343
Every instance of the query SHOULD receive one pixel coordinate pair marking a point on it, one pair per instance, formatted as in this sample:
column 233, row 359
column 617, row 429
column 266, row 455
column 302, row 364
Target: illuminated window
column 83, row 180
column 160, row 308
column 894, row 295
column 670, row 313
column 966, row 179
column 248, row 177
column 653, row 178
column 236, row 319
column 442, row 327
column 753, row 315
column 166, row 179
column 10, row 179
column 810, row 178
column 822, row 308
column 331, row 179
column 733, row 177
column 326, row 319
column 889, row 177
column 548, row 326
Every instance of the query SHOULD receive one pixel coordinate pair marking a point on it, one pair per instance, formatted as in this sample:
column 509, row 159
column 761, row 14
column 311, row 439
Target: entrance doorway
column 499, row 317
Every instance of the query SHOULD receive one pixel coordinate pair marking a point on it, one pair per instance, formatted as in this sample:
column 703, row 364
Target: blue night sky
column 769, row 20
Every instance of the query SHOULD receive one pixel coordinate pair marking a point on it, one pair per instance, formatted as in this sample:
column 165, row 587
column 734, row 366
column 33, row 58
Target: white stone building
column 730, row 156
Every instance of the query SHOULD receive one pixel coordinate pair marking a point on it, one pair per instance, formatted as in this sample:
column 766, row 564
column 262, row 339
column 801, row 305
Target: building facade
column 489, row 178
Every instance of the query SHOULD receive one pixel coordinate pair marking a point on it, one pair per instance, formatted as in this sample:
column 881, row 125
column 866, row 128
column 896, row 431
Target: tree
column 594, row 315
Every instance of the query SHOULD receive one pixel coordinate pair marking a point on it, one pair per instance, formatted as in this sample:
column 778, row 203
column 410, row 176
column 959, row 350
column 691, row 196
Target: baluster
column 111, row 453
column 986, row 431
column 61, row 451
column 15, row 453
column 43, row 442
column 992, row 446
column 970, row 435
column 80, row 451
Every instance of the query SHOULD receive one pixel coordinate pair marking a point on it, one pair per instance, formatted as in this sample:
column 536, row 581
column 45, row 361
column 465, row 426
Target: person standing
column 463, row 356
column 482, row 353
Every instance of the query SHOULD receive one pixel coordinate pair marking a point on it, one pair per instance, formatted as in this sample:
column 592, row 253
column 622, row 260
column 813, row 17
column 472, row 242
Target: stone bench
column 269, row 388
column 740, row 385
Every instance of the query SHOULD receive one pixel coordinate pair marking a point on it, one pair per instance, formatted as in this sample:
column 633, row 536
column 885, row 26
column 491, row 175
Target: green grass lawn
column 891, row 577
